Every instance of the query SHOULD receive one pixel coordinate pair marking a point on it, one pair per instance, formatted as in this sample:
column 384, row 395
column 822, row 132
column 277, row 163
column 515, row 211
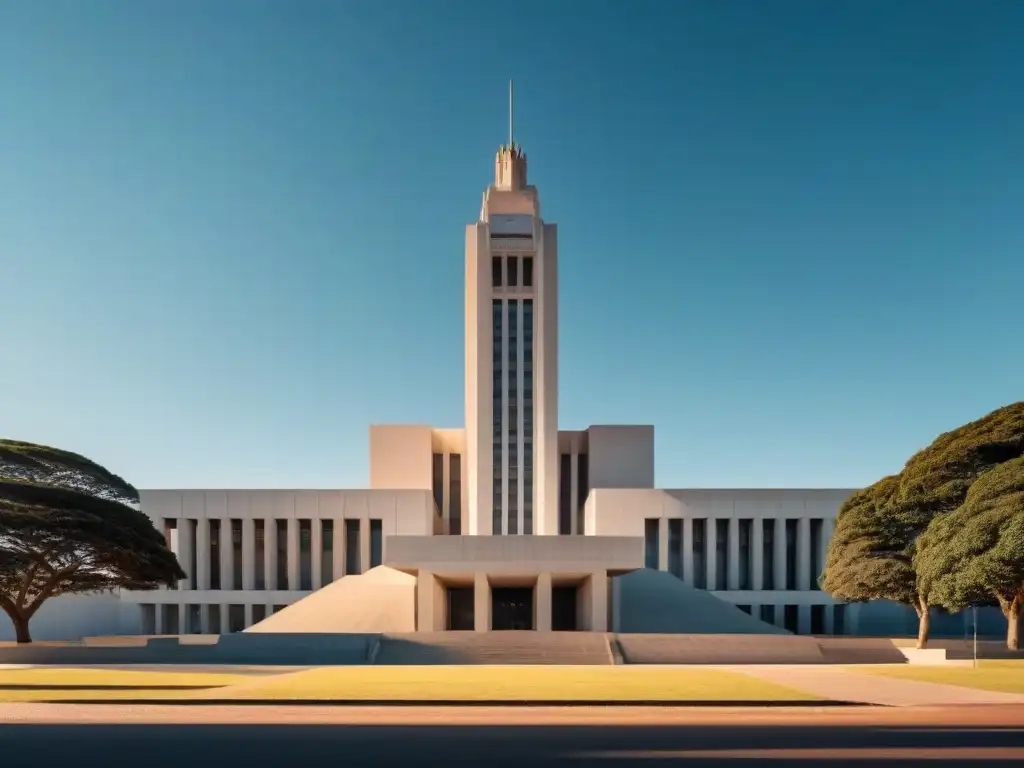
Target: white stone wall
column 195, row 607
column 626, row 512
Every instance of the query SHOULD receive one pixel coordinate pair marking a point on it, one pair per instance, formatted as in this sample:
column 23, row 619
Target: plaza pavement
column 856, row 687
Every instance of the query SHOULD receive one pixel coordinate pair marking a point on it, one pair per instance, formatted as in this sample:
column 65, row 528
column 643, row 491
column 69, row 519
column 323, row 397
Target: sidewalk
column 846, row 685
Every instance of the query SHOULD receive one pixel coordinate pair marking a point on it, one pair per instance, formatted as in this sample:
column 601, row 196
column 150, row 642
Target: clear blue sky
column 231, row 233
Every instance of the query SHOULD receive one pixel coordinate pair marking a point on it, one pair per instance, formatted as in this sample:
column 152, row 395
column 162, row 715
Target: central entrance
column 511, row 608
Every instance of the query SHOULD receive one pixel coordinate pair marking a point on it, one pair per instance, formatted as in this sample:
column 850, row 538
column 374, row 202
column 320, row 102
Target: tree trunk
column 1013, row 626
column 924, row 622
column 21, row 633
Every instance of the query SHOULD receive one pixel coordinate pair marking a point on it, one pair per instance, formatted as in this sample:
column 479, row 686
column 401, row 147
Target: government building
column 505, row 523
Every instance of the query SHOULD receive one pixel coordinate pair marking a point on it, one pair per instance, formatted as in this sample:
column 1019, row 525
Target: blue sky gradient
column 231, row 233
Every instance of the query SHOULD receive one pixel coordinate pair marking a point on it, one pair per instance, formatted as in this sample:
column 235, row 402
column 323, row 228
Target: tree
column 870, row 553
column 975, row 554
column 935, row 481
column 68, row 526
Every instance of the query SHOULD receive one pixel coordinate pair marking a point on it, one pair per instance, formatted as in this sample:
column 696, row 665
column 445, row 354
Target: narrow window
column 700, row 573
column 454, row 494
column 496, row 271
column 565, row 495
column 259, row 557
column 376, row 543
column 305, row 554
column 527, row 272
column 745, row 528
column 721, row 554
column 513, row 272
column 817, row 532
column 651, row 543
column 675, row 547
column 352, row 547
column 438, row 480
column 236, row 553
column 282, row 556
column 768, row 554
column 216, row 528
column 327, row 558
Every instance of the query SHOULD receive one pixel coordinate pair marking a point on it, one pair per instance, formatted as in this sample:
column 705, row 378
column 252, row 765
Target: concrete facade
column 507, row 508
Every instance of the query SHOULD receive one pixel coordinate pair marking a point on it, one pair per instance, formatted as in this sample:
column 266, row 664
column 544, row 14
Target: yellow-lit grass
column 71, row 684
column 509, row 684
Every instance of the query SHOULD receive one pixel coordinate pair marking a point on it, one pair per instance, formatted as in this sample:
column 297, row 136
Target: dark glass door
column 460, row 608
column 511, row 608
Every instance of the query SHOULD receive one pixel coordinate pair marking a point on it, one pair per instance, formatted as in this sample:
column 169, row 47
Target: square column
column 780, row 554
column 364, row 545
column 663, row 544
column 338, row 548
column 293, row 554
column 427, row 619
column 203, row 554
column 598, row 602
column 734, row 553
column 186, row 546
column 225, row 619
column 204, row 619
column 688, row 550
column 227, row 556
column 828, row 528
column 757, row 554
column 542, row 602
column 316, row 550
column 248, row 615
column 803, row 554
column 270, row 555
column 803, row 619
column 711, row 534
column 481, row 603
column 158, row 618
column 249, row 554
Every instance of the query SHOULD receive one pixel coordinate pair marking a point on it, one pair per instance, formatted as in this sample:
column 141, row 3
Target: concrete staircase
column 718, row 649
column 496, row 648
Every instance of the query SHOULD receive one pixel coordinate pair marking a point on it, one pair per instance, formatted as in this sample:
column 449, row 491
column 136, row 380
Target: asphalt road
column 943, row 737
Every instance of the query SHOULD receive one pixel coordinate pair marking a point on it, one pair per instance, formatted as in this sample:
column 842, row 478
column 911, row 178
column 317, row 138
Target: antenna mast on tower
column 511, row 115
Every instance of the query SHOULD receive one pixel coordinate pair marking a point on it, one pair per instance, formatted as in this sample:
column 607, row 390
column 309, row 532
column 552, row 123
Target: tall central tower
column 512, row 357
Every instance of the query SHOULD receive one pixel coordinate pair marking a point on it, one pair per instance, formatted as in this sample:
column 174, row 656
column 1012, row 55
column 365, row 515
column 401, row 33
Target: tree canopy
column 69, row 526
column 975, row 554
column 872, row 553
column 867, row 558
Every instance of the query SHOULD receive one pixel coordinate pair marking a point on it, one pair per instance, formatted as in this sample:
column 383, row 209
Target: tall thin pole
column 511, row 114
column 975, row 617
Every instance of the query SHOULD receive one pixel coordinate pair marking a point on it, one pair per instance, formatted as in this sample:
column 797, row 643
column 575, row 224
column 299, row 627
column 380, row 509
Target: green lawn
column 1006, row 676
column 423, row 684
column 473, row 683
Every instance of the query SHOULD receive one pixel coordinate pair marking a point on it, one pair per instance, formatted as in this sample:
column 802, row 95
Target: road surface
column 387, row 737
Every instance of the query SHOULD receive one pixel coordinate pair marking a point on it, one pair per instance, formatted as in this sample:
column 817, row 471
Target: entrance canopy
column 514, row 556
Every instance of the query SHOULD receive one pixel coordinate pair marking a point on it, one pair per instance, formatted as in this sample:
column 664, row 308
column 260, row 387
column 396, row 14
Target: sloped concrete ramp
column 657, row 602
column 380, row 600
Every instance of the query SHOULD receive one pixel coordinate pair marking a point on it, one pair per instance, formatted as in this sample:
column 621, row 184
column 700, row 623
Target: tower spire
column 511, row 115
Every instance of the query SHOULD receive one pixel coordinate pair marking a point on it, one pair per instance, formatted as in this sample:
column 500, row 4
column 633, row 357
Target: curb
column 770, row 703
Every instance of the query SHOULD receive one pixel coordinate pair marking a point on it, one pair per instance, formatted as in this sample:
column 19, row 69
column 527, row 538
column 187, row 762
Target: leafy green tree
column 68, row 526
column 975, row 554
column 870, row 553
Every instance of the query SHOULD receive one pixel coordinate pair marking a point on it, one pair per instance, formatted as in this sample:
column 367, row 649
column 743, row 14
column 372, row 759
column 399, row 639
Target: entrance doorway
column 563, row 609
column 511, row 608
column 460, row 609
